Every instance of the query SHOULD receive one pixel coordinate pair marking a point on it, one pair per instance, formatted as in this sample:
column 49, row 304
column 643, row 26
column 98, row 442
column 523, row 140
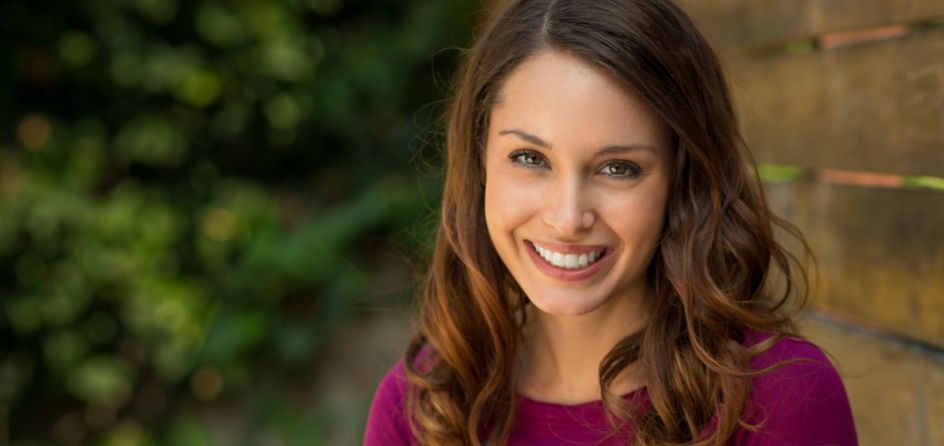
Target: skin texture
column 569, row 194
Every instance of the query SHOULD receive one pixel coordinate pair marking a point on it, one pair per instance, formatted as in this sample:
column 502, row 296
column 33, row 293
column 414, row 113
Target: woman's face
column 577, row 172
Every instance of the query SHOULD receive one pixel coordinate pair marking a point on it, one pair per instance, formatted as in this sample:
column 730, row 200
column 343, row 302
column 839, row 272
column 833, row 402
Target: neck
column 561, row 355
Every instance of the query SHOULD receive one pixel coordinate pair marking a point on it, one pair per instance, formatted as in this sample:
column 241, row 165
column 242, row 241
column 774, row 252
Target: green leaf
column 101, row 379
column 152, row 139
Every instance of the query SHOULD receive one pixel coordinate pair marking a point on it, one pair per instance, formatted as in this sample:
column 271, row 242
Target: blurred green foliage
column 192, row 196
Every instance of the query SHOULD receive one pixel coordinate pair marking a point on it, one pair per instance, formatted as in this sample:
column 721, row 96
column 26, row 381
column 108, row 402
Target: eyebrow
column 604, row 151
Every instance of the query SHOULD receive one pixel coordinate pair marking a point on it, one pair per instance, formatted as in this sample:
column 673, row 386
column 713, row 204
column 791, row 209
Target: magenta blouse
column 803, row 403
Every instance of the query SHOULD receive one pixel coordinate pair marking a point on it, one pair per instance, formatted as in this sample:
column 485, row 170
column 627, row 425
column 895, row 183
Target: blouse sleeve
column 386, row 422
column 802, row 403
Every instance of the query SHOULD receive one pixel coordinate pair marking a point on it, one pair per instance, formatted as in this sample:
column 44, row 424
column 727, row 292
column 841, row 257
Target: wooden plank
column 893, row 389
column 876, row 107
column 880, row 252
column 751, row 23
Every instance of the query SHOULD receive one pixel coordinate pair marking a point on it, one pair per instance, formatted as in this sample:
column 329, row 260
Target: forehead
column 573, row 102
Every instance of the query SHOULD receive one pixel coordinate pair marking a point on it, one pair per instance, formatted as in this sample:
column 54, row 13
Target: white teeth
column 583, row 260
column 569, row 261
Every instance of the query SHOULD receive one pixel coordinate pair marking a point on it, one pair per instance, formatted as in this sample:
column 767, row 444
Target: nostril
column 570, row 222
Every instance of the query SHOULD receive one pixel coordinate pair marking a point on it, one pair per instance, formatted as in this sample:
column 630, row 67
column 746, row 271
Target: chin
column 569, row 304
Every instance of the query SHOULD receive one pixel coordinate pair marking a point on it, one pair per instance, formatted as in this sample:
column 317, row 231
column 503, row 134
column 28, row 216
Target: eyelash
column 632, row 170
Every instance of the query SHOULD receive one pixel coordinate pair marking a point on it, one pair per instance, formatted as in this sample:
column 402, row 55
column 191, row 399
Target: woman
column 603, row 267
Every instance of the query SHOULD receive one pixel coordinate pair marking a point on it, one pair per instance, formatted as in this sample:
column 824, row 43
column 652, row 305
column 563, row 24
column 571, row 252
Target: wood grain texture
column 880, row 252
column 877, row 107
column 894, row 389
column 740, row 23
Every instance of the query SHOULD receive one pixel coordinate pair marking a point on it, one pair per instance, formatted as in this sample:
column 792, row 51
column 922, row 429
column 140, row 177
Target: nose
column 568, row 210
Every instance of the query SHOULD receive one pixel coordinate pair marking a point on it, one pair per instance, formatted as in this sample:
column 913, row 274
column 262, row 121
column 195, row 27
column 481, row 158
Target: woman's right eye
column 528, row 159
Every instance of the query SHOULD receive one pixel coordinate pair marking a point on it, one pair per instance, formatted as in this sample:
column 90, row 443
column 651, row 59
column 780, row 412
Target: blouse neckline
column 525, row 403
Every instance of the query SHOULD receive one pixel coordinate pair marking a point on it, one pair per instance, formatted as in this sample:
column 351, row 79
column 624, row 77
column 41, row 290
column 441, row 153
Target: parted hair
column 717, row 271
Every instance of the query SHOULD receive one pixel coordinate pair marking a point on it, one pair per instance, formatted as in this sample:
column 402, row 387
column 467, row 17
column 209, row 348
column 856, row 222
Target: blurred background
column 213, row 213
column 207, row 207
column 842, row 103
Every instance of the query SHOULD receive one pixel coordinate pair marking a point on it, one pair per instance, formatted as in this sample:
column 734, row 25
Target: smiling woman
column 603, row 268
column 564, row 196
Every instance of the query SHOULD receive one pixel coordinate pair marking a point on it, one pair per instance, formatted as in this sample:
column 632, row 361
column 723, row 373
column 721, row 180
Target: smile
column 569, row 261
column 578, row 263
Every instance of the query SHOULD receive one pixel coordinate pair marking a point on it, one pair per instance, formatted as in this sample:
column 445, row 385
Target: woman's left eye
column 621, row 169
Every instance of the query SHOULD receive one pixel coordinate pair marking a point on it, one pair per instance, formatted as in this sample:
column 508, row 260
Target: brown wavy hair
column 717, row 271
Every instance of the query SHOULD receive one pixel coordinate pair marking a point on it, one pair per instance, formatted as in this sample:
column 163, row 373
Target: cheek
column 639, row 220
column 509, row 202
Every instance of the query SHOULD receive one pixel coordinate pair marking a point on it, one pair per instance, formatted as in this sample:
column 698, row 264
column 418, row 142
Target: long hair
column 711, row 278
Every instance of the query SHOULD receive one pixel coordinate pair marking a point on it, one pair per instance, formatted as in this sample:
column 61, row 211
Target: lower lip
column 567, row 275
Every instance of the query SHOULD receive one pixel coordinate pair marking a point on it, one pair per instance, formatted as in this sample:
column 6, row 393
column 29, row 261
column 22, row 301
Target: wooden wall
column 842, row 102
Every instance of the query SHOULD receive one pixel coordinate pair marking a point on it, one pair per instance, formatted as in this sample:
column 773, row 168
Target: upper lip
column 568, row 249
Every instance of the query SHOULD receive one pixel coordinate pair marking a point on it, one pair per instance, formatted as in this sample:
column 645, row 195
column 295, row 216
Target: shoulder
column 799, row 369
column 801, row 400
column 387, row 422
